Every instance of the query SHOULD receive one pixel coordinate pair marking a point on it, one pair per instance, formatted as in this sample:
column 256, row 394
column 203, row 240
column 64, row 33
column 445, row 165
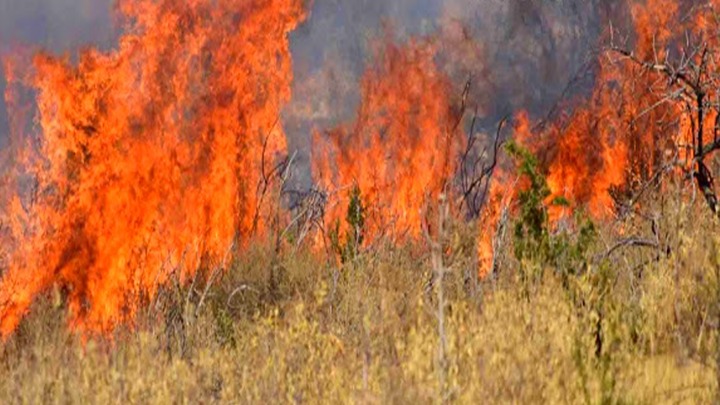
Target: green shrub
column 348, row 248
column 536, row 246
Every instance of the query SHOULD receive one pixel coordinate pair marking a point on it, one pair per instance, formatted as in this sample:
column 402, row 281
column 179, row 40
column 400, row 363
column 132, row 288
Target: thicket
column 575, row 314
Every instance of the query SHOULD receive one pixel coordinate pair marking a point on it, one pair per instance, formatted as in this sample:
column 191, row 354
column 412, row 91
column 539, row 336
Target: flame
column 145, row 162
column 401, row 150
column 621, row 134
column 147, row 157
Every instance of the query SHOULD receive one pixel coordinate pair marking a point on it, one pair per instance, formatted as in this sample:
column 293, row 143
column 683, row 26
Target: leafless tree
column 693, row 80
column 477, row 169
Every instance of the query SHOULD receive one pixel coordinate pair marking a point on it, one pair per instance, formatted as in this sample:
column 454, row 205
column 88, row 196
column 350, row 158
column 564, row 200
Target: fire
column 401, row 150
column 628, row 128
column 499, row 198
column 146, row 160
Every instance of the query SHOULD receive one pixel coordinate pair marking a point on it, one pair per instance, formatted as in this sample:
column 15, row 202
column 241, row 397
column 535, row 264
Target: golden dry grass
column 293, row 327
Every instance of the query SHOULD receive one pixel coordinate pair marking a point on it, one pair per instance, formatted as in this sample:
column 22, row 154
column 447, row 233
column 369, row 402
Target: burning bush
column 147, row 159
column 151, row 161
column 402, row 149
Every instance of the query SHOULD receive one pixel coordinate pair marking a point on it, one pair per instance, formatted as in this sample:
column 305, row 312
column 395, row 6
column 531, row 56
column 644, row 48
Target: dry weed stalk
column 439, row 270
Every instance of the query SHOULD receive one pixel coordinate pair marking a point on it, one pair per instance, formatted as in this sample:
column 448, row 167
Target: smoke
column 331, row 51
column 60, row 26
column 531, row 49
column 520, row 54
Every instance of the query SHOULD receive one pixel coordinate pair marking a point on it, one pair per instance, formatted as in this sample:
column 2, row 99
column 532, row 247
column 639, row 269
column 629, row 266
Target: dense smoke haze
column 520, row 54
column 59, row 25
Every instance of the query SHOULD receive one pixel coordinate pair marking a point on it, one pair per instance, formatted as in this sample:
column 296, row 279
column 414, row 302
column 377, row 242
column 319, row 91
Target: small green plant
column 536, row 246
column 224, row 326
column 349, row 247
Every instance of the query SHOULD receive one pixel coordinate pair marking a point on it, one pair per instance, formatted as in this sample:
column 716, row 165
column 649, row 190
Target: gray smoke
column 60, row 26
column 520, row 54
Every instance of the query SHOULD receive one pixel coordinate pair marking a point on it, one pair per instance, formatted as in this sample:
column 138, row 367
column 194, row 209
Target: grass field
column 631, row 324
column 154, row 249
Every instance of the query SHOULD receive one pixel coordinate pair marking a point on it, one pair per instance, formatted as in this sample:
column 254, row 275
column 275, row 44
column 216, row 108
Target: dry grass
column 294, row 328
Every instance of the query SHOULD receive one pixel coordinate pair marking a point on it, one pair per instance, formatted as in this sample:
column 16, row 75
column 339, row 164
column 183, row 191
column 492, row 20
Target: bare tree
column 693, row 80
column 477, row 168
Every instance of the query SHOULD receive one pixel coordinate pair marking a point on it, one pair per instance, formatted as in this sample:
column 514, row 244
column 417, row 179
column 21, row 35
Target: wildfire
column 147, row 158
column 144, row 163
column 402, row 148
column 630, row 126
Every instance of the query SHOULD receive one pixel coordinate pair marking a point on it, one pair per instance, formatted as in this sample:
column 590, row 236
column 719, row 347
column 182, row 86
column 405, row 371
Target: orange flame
column 624, row 131
column 149, row 156
column 402, row 147
column 145, row 161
